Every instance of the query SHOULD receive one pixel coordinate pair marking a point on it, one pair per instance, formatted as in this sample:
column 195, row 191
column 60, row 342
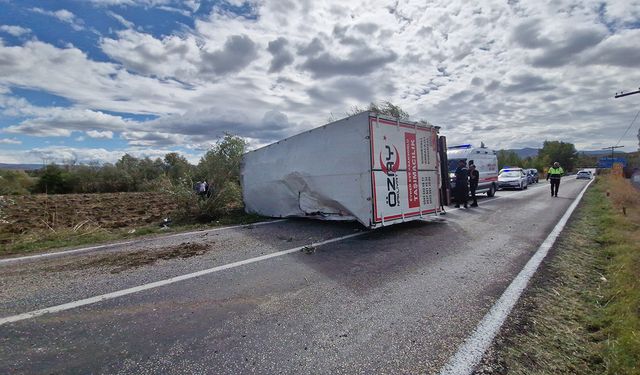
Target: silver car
column 512, row 179
column 584, row 175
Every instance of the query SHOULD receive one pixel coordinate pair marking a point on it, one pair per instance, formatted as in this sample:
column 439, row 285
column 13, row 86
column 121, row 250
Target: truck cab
column 486, row 163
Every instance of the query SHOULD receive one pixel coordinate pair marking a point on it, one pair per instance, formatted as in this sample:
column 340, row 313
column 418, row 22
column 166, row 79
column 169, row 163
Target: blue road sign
column 607, row 162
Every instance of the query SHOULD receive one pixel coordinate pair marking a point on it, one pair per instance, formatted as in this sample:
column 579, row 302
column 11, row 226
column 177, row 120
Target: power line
column 629, row 127
column 612, row 148
column 622, row 93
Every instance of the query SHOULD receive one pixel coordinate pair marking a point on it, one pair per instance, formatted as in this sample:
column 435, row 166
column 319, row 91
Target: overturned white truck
column 367, row 167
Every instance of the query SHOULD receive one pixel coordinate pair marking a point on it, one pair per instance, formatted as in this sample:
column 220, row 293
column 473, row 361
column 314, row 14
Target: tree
column 222, row 162
column 383, row 108
column 140, row 172
column 508, row 159
column 176, row 166
column 220, row 167
column 563, row 152
column 54, row 180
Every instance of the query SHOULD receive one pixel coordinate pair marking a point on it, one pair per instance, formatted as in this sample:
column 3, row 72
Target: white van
column 486, row 163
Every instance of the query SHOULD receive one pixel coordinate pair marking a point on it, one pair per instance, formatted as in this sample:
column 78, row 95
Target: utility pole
column 622, row 93
column 611, row 147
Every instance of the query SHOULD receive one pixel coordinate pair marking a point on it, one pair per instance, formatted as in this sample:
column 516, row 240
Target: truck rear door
column 404, row 170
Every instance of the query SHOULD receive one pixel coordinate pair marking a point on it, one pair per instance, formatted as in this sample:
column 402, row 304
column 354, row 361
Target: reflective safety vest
column 555, row 172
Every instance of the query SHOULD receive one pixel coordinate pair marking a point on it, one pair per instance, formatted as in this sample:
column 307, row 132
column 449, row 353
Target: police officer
column 554, row 175
column 462, row 184
column 474, row 178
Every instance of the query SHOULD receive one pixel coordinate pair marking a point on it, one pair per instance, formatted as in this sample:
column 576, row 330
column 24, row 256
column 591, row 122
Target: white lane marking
column 44, row 255
column 510, row 196
column 471, row 351
column 157, row 284
column 86, row 249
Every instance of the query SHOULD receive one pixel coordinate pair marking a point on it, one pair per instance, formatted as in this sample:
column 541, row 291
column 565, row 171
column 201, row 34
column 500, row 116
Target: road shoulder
column 562, row 323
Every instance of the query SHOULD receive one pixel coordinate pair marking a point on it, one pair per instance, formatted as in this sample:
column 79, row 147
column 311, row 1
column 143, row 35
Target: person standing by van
column 474, row 178
column 554, row 174
column 462, row 184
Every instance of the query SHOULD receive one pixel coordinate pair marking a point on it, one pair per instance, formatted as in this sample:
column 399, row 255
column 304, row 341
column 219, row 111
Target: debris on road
column 118, row 262
column 308, row 249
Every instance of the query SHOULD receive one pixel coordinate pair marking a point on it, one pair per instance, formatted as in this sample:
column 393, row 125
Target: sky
column 89, row 80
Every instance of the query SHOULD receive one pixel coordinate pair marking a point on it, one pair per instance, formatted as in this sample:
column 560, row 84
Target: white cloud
column 63, row 15
column 61, row 122
column 62, row 154
column 184, row 7
column 121, row 19
column 92, row 84
column 172, row 56
column 107, row 134
column 15, row 30
column 10, row 141
column 507, row 73
column 131, row 2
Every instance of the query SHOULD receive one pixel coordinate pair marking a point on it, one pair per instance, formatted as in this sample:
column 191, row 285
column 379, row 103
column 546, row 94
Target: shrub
column 220, row 167
column 15, row 182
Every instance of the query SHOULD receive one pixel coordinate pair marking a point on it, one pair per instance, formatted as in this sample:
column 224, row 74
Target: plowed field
column 23, row 214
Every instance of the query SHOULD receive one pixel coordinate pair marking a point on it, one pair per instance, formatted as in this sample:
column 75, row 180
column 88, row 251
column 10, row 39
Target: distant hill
column 600, row 152
column 533, row 152
column 22, row 167
column 525, row 152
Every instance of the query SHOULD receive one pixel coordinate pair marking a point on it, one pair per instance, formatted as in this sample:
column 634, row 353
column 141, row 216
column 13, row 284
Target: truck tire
column 492, row 191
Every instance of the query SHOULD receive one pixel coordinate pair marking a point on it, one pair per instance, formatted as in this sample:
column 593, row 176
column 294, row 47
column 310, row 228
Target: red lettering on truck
column 412, row 169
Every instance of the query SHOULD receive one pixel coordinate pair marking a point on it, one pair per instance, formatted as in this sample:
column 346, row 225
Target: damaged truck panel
column 368, row 168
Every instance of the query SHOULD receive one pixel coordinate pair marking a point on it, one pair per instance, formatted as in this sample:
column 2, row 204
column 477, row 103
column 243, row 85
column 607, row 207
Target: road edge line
column 87, row 249
column 471, row 351
column 157, row 284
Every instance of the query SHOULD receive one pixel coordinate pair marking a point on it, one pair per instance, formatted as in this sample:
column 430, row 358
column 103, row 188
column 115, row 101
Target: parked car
column 532, row 175
column 512, row 178
column 586, row 175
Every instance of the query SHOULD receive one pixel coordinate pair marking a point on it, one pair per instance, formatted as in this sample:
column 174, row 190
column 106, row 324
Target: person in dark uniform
column 462, row 184
column 554, row 174
column 474, row 178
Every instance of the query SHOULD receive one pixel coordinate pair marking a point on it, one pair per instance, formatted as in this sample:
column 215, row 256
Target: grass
column 63, row 237
column 581, row 314
column 621, row 247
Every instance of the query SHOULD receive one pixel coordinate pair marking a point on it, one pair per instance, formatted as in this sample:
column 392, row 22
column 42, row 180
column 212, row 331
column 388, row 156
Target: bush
column 55, row 180
column 220, row 167
column 15, row 182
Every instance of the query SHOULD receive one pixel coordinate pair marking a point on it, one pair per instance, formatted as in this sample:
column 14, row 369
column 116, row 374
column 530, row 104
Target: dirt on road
column 118, row 262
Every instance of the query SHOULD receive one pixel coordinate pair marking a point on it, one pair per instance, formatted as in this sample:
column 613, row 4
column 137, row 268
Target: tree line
column 220, row 166
column 563, row 152
column 173, row 174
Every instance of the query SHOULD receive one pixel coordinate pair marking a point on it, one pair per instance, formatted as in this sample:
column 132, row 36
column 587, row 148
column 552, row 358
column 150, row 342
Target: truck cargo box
column 367, row 167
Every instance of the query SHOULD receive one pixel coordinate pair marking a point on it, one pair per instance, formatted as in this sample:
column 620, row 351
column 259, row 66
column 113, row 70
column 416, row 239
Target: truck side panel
column 322, row 173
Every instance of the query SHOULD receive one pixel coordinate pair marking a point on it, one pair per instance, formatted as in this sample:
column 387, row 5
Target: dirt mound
column 118, row 262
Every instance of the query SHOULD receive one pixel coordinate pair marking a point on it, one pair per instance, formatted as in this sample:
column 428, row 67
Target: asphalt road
column 396, row 300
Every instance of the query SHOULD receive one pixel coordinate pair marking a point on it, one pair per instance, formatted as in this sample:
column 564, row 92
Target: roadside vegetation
column 581, row 312
column 564, row 153
column 72, row 205
column 551, row 151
